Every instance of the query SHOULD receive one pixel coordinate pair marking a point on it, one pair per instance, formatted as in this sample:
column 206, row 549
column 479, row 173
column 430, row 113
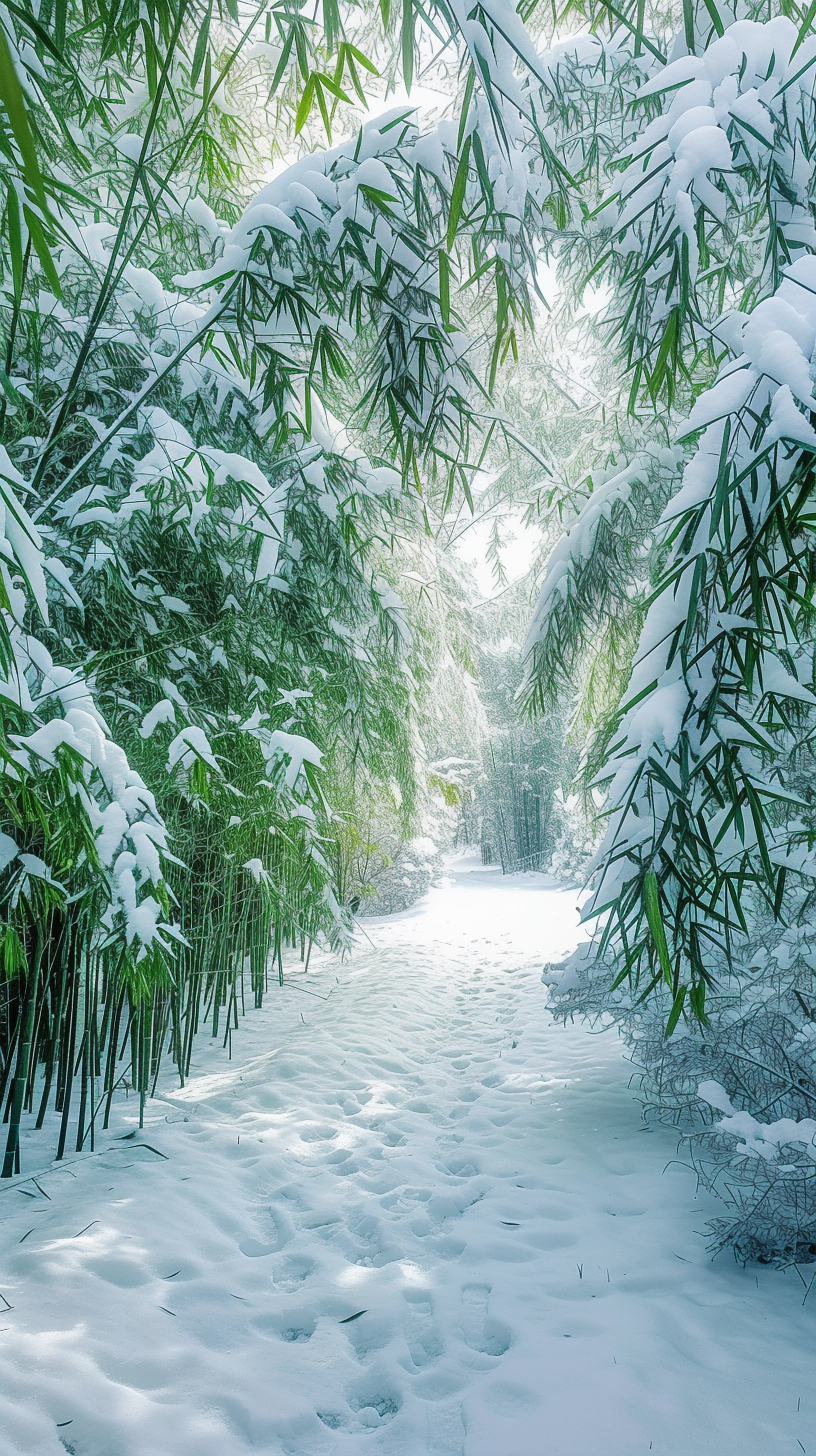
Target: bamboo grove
column 247, row 367
column 221, row 408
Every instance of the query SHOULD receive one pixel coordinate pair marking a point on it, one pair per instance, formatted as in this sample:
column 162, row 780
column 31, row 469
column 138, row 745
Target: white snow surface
column 406, row 1133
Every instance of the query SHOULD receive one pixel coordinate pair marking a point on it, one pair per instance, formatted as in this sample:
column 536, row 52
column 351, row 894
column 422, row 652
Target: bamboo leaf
column 15, row 241
column 677, row 1008
column 305, row 106
column 11, row 95
column 688, row 25
column 467, row 99
column 444, row 286
column 651, row 905
column 9, row 390
column 458, row 195
column 201, row 45
column 43, row 252
column 716, row 18
column 805, row 29
column 407, row 43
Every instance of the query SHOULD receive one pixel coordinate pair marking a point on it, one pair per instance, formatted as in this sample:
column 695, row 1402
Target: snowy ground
column 412, row 1216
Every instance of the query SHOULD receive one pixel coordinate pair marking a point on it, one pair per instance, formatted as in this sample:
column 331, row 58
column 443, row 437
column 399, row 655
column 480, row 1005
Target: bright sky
column 518, row 552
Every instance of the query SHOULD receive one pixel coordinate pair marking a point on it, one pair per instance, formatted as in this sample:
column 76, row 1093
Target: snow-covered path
column 411, row 1218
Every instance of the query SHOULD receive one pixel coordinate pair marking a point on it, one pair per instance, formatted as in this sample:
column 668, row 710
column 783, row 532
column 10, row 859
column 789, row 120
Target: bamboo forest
column 408, row 737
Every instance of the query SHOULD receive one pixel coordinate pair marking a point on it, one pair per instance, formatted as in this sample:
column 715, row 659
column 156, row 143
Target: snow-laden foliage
column 597, row 577
column 760, row 1044
column 715, row 682
column 233, row 402
column 216, row 394
column 707, row 239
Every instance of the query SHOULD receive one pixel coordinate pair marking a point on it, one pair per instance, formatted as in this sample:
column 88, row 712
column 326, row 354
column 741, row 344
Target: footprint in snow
column 482, row 1333
column 394, row 1139
column 317, row 1132
column 332, row 1419
column 458, row 1167
column 374, row 1406
column 277, row 1228
column 368, row 1335
column 293, row 1326
column 290, row 1274
column 446, row 1430
column 421, row 1335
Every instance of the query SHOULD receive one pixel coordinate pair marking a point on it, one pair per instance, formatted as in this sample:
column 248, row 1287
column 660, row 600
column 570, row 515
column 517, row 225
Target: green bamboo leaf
column 779, row 895
column 60, row 20
column 797, row 75
column 12, row 953
column 9, row 390
column 805, row 28
column 694, row 597
column 635, row 386
column 345, row 60
column 407, row 43
column 152, row 61
column 11, row 95
column 15, row 241
column 688, row 25
column 651, row 904
column 284, row 60
column 306, row 101
column 667, row 347
column 677, row 1007
column 752, row 131
column 201, row 47
column 716, row 18
column 466, row 102
column 362, row 60
column 31, row 23
column 444, row 286
column 644, row 40
column 323, row 108
column 43, row 252
column 697, row 996
column 326, row 81
column 458, row 195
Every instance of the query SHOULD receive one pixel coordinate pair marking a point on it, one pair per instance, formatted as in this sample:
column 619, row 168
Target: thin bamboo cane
column 85, row 1051
column 11, row 1161
column 69, row 1082
column 110, row 1069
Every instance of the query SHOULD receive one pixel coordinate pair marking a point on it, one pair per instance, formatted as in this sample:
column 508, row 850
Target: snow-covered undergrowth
column 759, row 1044
column 414, row 1218
column 405, row 874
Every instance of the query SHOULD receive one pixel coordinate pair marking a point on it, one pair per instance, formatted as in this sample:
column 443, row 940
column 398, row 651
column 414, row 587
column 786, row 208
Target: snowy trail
column 423, row 1145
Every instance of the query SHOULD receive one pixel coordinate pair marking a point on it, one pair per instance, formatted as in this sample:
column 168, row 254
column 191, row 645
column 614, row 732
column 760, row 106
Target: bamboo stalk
column 69, row 1063
column 11, row 1161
